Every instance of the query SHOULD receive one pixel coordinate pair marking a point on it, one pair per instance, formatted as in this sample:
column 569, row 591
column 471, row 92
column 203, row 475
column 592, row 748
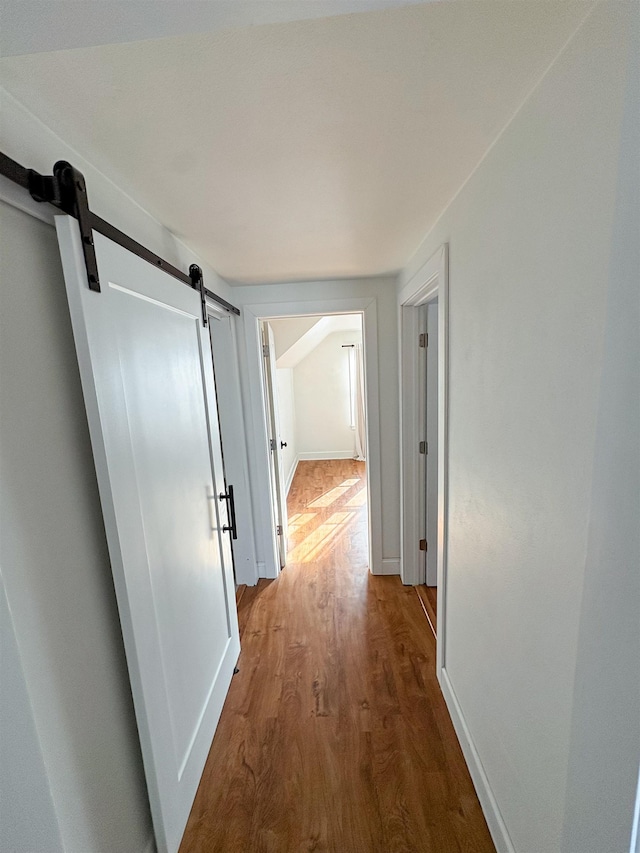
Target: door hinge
column 423, row 340
column 423, row 544
column 279, row 530
column 272, row 444
column 265, row 350
column 424, row 447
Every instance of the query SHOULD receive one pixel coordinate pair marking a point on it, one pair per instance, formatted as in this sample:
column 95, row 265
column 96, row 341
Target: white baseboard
column 388, row 567
column 326, row 454
column 292, row 474
column 262, row 569
column 495, row 822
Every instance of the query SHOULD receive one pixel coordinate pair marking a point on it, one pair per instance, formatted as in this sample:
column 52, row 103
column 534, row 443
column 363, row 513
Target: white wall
column 321, row 383
column 542, row 645
column 604, row 756
column 55, row 563
column 24, row 777
column 54, row 558
column 287, row 412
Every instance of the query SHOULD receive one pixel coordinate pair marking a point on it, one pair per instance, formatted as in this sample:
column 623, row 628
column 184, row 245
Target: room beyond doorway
column 315, row 395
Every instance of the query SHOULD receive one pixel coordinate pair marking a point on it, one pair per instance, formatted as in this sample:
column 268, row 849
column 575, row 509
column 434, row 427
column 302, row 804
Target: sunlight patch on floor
column 299, row 520
column 313, row 546
column 333, row 494
column 359, row 499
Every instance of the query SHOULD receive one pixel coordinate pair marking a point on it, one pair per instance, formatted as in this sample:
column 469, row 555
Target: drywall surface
column 287, row 411
column 382, row 293
column 34, row 145
column 27, row 816
column 55, row 563
column 308, row 149
column 322, row 394
column 540, row 240
column 605, row 731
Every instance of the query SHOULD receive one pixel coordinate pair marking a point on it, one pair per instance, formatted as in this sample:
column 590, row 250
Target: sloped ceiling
column 298, row 345
column 301, row 150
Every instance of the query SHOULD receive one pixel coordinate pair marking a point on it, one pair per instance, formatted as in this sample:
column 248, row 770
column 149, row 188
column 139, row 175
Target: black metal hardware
column 348, row 346
column 66, row 190
column 231, row 505
column 14, row 171
column 195, row 274
column 283, row 444
column 72, row 191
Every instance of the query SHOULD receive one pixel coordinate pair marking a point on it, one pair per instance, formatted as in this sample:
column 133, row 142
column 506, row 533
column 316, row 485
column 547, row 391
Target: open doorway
column 314, row 389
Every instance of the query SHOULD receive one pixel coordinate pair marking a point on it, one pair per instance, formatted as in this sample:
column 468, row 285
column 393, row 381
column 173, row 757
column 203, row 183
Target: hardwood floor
column 334, row 736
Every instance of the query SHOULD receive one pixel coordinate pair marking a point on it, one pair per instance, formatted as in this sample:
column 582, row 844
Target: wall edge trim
column 488, row 802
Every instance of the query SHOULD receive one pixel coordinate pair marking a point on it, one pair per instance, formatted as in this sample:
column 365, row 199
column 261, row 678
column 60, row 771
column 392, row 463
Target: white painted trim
column 634, row 846
column 262, row 569
column 495, row 821
column 292, row 474
column 390, row 566
column 326, row 454
column 429, row 282
column 251, row 314
column 18, row 197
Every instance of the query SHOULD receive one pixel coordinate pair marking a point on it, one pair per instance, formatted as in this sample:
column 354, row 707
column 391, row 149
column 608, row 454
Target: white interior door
column 431, row 485
column 147, row 376
column 276, row 442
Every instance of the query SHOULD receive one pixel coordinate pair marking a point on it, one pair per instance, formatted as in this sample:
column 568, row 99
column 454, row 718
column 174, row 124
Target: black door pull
column 231, row 505
column 283, row 444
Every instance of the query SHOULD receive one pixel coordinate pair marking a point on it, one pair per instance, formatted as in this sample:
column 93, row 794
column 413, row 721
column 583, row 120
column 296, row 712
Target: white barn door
column 147, row 376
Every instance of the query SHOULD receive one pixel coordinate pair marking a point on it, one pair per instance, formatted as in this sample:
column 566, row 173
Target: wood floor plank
column 334, row 736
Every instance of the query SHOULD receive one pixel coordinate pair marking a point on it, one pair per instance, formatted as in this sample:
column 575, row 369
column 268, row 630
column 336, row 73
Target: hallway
column 334, row 735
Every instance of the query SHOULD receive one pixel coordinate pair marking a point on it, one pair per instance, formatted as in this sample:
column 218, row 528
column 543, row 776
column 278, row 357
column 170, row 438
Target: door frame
column 251, row 317
column 274, row 432
column 431, row 281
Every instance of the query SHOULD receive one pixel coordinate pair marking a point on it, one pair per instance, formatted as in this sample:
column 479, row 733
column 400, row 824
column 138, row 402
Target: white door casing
column 275, row 438
column 147, row 377
column 429, row 282
column 256, row 404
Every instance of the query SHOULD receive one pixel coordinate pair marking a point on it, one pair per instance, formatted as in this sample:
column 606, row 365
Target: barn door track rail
column 66, row 189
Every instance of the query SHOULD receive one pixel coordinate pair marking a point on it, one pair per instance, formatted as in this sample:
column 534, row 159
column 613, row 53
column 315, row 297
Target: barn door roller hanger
column 66, row 189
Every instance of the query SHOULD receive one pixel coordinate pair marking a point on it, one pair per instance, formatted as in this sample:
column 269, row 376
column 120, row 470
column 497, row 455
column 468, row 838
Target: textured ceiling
column 310, row 149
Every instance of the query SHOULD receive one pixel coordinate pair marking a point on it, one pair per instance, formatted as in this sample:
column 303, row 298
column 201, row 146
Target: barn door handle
column 231, row 505
column 283, row 444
